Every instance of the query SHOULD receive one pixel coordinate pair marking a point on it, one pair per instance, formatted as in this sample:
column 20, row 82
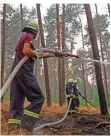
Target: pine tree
column 101, row 93
column 47, row 84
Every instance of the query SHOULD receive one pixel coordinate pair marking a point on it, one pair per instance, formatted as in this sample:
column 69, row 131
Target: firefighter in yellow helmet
column 25, row 84
column 72, row 92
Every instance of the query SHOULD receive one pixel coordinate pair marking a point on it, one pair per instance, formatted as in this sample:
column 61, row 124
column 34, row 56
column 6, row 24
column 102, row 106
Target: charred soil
column 84, row 123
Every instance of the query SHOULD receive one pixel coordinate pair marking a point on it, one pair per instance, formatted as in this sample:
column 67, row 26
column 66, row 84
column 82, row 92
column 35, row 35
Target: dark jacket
column 71, row 89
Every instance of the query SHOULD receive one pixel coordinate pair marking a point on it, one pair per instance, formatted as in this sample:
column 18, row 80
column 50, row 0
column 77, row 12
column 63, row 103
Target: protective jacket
column 72, row 92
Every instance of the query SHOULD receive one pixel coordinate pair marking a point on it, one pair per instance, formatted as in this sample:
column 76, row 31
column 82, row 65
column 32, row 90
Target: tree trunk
column 73, row 60
column 53, row 64
column 3, row 47
column 108, row 66
column 109, row 9
column 63, row 48
column 83, row 76
column 21, row 13
column 59, row 59
column 83, row 63
column 48, row 92
column 37, row 63
column 101, row 93
column 104, row 68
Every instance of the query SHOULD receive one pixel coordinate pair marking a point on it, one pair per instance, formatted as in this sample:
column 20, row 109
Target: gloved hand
column 79, row 93
column 39, row 53
column 71, row 96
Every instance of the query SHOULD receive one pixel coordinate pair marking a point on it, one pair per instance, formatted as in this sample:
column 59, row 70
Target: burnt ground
column 86, row 124
column 75, row 125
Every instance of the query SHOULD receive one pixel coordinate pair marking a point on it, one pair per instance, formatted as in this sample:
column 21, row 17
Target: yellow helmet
column 32, row 25
column 70, row 80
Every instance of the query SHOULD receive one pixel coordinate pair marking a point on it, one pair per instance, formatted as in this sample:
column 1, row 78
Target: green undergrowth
column 55, row 99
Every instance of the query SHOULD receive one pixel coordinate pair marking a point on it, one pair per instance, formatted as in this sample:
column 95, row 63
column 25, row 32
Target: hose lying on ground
column 54, row 123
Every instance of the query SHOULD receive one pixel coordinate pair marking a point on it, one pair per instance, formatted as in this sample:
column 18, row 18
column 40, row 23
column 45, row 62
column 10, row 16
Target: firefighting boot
column 28, row 123
column 69, row 113
column 77, row 109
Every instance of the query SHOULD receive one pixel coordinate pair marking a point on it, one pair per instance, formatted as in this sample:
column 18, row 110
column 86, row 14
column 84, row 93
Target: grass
column 7, row 96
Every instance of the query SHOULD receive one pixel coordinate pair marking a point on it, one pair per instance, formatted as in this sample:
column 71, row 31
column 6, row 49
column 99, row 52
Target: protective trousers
column 72, row 106
column 24, row 85
column 77, row 103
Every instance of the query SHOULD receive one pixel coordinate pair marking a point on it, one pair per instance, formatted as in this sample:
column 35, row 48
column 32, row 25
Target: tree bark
column 108, row 59
column 53, row 72
column 101, row 93
column 83, row 63
column 48, row 92
column 21, row 13
column 3, row 47
column 104, row 68
column 37, row 63
column 63, row 48
column 73, row 61
column 59, row 59
column 109, row 9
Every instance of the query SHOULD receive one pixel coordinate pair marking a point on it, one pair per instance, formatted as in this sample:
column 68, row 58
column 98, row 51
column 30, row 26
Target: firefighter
column 25, row 84
column 72, row 92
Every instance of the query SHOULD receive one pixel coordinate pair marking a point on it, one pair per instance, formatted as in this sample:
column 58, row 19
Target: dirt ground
column 86, row 124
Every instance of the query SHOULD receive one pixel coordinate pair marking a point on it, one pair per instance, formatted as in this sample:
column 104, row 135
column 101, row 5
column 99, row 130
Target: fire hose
column 54, row 123
column 12, row 75
column 57, row 122
column 57, row 52
column 88, row 101
column 18, row 66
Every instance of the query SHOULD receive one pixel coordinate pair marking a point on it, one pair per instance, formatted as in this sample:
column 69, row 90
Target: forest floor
column 88, row 123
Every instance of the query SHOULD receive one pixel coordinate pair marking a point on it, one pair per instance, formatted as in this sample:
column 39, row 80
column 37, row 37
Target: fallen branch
column 102, row 123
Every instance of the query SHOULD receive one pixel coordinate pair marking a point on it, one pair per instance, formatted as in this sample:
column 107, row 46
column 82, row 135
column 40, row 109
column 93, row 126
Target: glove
column 39, row 53
column 79, row 93
column 71, row 96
